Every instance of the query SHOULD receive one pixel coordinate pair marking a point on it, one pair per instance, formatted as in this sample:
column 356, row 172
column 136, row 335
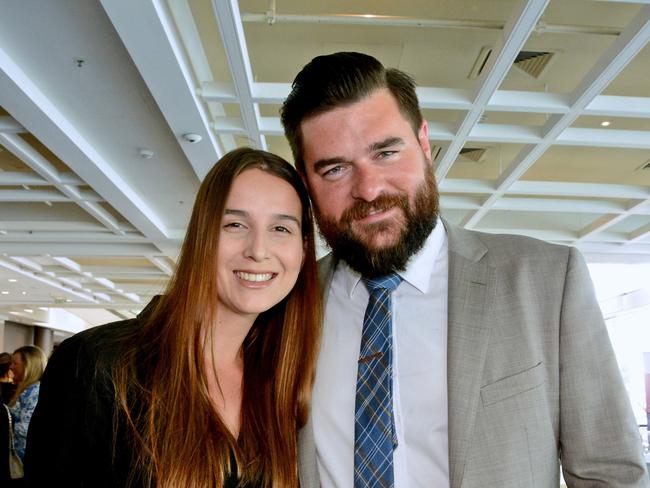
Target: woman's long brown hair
column 177, row 437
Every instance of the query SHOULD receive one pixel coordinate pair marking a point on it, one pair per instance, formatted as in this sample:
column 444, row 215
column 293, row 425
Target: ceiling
column 97, row 179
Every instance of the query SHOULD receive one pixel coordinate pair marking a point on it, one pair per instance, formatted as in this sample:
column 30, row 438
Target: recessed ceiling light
column 605, row 123
column 4, row 292
column 146, row 153
column 12, row 280
column 28, row 310
column 23, row 293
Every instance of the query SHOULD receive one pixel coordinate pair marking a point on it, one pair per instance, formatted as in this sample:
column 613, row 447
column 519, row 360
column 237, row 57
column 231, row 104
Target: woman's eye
column 234, row 225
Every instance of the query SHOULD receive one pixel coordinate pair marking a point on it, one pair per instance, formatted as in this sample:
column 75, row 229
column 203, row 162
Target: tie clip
column 372, row 356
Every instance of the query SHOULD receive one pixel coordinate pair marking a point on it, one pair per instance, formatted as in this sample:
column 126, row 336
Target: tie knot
column 389, row 282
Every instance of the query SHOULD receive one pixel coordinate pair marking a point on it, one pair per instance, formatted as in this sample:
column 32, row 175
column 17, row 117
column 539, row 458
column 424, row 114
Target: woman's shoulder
column 96, row 343
column 29, row 396
column 102, row 343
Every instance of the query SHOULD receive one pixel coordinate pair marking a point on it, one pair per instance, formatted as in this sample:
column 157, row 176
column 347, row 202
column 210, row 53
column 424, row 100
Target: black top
column 70, row 439
column 7, row 390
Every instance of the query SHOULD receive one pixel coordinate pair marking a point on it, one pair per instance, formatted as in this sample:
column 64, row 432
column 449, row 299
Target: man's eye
column 386, row 154
column 282, row 228
column 333, row 171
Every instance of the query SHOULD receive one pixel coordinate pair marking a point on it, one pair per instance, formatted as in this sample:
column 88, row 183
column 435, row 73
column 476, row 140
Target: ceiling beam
column 640, row 234
column 515, row 33
column 20, row 96
column 608, row 220
column 45, row 196
column 439, row 98
column 32, row 158
column 160, row 58
column 504, row 133
column 76, row 249
column 8, row 178
column 9, row 125
column 76, row 268
column 191, row 38
column 31, row 236
column 611, row 63
column 234, row 43
column 161, row 264
column 574, row 189
column 19, row 268
column 550, row 188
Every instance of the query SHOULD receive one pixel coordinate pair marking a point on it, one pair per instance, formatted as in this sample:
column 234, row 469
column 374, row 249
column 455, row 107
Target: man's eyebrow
column 375, row 146
column 388, row 142
column 244, row 213
column 324, row 163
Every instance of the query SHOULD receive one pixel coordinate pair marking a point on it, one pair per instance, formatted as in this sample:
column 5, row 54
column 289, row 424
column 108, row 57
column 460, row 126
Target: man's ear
column 423, row 139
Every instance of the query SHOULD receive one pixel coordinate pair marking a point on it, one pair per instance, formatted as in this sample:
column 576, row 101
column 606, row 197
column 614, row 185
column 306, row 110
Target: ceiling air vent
column 435, row 151
column 480, row 62
column 645, row 166
column 472, row 154
column 533, row 62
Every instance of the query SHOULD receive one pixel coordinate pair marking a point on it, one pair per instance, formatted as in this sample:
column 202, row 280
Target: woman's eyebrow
column 244, row 213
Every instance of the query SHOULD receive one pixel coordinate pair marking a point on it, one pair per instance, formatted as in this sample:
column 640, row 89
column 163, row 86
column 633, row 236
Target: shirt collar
column 419, row 268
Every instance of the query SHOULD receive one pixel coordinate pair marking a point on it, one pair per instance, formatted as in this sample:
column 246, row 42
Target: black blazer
column 70, row 437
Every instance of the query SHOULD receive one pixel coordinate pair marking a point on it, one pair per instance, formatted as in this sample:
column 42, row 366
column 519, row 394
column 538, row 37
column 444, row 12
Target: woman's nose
column 257, row 246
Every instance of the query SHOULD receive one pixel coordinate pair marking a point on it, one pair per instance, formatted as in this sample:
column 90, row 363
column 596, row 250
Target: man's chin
column 378, row 241
column 379, row 236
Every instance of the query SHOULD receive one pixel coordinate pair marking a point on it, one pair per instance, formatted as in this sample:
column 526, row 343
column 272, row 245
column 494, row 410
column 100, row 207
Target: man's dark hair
column 340, row 79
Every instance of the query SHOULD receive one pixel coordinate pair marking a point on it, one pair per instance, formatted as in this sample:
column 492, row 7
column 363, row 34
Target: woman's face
column 18, row 367
column 260, row 244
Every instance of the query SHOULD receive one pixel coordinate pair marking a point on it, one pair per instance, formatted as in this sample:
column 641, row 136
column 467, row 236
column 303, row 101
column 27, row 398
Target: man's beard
column 371, row 261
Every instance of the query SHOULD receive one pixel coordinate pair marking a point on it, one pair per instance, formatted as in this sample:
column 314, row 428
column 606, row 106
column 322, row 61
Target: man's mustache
column 360, row 209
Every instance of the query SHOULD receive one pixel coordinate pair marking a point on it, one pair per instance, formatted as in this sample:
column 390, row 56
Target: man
column 449, row 357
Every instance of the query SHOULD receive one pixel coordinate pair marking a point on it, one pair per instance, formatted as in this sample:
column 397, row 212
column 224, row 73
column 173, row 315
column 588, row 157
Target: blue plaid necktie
column 374, row 426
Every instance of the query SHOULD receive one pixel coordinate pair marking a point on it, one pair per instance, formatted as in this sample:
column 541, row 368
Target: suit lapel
column 468, row 332
column 307, row 462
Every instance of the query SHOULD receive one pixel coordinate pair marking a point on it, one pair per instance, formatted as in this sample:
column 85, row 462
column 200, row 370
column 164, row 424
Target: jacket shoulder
column 505, row 249
column 81, row 355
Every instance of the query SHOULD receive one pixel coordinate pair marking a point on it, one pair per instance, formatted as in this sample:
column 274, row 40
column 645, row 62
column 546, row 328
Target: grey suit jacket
column 532, row 377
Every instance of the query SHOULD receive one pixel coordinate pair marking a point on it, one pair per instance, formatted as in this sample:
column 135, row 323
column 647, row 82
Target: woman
column 7, row 385
column 28, row 364
column 210, row 384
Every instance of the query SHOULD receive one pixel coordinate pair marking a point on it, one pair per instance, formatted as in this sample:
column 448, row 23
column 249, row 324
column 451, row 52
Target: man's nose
column 368, row 183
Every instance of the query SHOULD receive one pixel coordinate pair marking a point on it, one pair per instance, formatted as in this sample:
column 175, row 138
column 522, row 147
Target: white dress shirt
column 421, row 458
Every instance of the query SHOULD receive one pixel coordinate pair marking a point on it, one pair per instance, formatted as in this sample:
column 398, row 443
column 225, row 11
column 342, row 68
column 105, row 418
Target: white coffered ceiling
column 97, row 181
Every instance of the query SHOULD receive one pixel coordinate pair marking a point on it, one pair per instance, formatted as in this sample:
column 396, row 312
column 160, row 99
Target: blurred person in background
column 28, row 364
column 7, row 385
